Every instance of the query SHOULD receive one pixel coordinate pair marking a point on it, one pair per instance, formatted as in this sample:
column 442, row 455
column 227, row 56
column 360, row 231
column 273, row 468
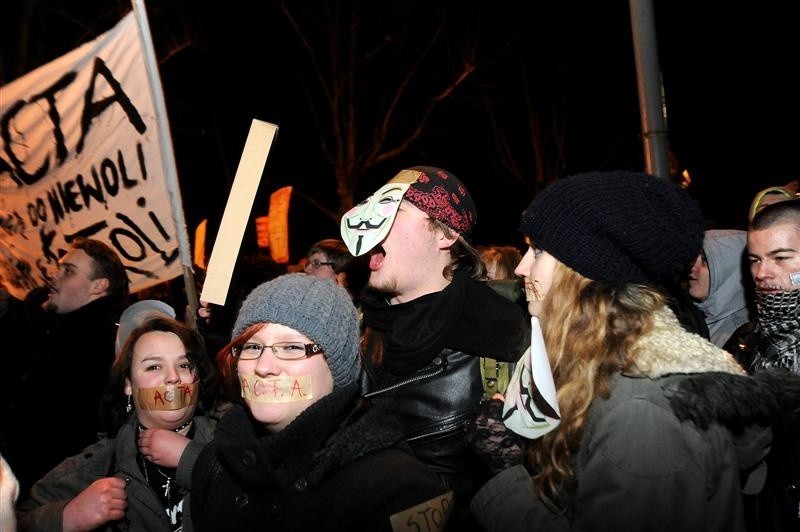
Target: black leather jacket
column 436, row 404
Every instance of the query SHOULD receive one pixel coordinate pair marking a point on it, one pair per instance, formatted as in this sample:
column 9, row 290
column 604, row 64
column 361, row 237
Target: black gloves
column 495, row 445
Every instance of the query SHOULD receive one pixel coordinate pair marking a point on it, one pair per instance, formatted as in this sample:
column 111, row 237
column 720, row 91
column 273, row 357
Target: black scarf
column 466, row 316
column 326, row 437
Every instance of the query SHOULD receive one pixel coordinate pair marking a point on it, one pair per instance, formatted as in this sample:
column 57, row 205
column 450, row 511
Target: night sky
column 729, row 78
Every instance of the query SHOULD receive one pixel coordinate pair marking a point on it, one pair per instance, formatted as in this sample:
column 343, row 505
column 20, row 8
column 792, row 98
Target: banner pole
column 168, row 158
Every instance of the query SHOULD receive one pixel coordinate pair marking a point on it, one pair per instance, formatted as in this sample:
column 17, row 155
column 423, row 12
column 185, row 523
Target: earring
column 129, row 406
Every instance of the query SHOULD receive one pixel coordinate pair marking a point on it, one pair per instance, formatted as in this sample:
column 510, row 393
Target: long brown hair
column 589, row 330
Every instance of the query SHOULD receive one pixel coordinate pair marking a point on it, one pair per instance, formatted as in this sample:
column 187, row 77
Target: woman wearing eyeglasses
column 302, row 450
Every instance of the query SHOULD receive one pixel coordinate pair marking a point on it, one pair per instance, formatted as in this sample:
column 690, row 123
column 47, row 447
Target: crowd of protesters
column 625, row 367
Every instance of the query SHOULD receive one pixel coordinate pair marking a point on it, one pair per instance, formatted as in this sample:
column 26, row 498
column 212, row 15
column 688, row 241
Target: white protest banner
column 80, row 156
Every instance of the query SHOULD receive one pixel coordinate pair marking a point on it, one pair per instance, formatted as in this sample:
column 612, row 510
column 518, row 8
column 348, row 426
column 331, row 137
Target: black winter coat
column 340, row 465
column 68, row 358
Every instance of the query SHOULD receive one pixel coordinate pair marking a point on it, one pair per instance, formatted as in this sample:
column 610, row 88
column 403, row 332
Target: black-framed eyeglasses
column 281, row 350
column 316, row 264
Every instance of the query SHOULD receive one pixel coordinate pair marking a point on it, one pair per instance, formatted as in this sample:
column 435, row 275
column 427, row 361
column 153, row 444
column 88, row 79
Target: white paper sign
column 237, row 212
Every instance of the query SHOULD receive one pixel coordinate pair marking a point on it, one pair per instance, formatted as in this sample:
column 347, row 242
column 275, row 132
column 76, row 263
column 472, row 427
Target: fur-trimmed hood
column 767, row 398
column 705, row 385
column 762, row 413
column 670, row 349
column 713, row 386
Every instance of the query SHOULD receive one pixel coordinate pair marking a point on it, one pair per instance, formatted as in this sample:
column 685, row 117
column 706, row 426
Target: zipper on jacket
column 416, row 378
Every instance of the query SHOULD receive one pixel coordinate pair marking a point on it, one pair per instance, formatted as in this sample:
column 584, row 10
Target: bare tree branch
column 351, row 153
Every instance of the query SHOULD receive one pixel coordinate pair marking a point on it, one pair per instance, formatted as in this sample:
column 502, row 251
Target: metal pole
column 652, row 107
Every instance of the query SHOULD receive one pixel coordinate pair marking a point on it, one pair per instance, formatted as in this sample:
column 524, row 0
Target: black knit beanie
column 617, row 226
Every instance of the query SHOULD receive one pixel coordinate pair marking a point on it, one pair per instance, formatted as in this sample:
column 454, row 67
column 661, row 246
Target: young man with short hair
column 67, row 348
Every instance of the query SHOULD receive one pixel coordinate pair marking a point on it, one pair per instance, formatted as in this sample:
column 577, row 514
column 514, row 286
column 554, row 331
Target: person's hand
column 103, row 501
column 497, row 446
column 162, row 447
column 204, row 310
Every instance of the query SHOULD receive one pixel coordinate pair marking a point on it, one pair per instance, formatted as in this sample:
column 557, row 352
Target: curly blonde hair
column 589, row 329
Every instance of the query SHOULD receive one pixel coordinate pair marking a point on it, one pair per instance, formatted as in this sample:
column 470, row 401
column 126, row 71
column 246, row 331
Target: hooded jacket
column 665, row 451
column 726, row 307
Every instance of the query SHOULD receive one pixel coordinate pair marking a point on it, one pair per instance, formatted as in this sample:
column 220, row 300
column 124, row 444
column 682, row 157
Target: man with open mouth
column 429, row 316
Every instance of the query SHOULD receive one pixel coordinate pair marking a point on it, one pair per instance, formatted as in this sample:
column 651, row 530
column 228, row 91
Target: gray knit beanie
column 617, row 226
column 318, row 308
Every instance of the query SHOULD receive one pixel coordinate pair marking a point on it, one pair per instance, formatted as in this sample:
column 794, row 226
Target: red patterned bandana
column 442, row 196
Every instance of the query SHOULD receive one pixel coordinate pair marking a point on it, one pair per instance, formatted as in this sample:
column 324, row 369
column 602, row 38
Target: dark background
column 729, row 74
